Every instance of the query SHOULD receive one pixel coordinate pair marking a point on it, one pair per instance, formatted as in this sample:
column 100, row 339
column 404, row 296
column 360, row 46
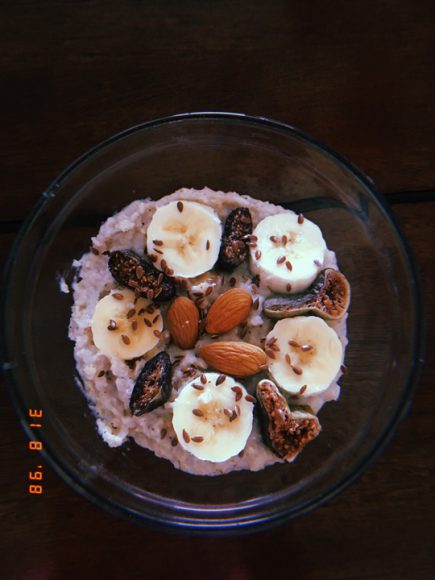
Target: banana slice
column 184, row 237
column 304, row 355
column 124, row 329
column 289, row 252
column 212, row 417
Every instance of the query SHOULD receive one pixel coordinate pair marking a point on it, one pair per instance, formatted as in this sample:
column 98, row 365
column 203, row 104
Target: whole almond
column 229, row 310
column 183, row 320
column 239, row 359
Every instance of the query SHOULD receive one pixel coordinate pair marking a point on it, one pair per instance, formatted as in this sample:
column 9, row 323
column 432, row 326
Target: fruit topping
column 130, row 270
column 328, row 297
column 304, row 355
column 124, row 326
column 235, row 239
column 153, row 385
column 287, row 254
column 284, row 431
column 213, row 422
column 183, row 238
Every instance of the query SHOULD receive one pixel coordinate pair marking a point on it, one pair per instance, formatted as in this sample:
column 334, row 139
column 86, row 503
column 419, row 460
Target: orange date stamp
column 35, row 415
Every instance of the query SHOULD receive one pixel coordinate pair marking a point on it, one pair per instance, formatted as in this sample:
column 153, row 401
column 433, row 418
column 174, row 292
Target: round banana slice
column 304, row 355
column 213, row 417
column 289, row 252
column 184, row 238
column 124, row 329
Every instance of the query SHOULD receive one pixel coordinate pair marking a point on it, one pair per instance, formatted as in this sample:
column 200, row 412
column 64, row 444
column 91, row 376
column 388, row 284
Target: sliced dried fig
column 234, row 248
column 132, row 271
column 153, row 385
column 328, row 297
column 286, row 432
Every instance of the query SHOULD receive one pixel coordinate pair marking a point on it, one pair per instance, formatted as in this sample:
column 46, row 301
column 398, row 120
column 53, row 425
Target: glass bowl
column 229, row 152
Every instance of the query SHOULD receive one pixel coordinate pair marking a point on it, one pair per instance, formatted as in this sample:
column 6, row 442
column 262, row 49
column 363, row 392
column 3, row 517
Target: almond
column 183, row 320
column 230, row 309
column 238, row 359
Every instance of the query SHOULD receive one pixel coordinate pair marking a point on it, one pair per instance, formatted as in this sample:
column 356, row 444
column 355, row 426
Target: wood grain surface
column 357, row 75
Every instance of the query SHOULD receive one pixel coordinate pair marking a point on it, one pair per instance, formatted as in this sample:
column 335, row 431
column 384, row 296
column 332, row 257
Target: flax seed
column 280, row 260
column 158, row 242
column 180, row 206
column 163, row 433
column 209, row 291
column 148, row 322
column 157, row 251
column 112, row 325
column 275, row 347
column 306, row 347
column 288, row 359
column 220, row 379
column 243, row 330
column 294, row 344
column 157, row 333
column 288, row 265
column 163, row 265
column 101, row 374
column 131, row 313
column 125, row 339
column 297, row 370
column 300, row 219
column 284, row 240
column 153, row 258
column 197, row 412
column 198, row 387
column 250, row 399
column 118, row 296
column 258, row 254
column 169, row 271
column 174, row 441
column 238, row 392
column 156, row 318
column 203, row 379
column 197, row 439
column 134, row 325
column 233, row 416
column 288, row 287
column 150, row 309
column 207, row 245
column 302, row 390
column 139, row 271
column 270, row 353
column 273, row 239
column 186, row 436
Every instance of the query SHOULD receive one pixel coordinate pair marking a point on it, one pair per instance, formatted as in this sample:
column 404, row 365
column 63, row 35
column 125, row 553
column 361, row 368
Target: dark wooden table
column 359, row 76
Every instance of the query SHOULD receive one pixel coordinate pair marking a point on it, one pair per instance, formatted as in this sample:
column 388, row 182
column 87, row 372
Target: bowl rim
column 237, row 524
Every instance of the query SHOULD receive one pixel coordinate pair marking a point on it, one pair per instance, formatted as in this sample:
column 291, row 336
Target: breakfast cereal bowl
column 224, row 153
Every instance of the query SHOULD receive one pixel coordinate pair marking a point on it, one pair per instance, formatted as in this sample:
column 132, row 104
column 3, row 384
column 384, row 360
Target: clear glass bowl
column 267, row 160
